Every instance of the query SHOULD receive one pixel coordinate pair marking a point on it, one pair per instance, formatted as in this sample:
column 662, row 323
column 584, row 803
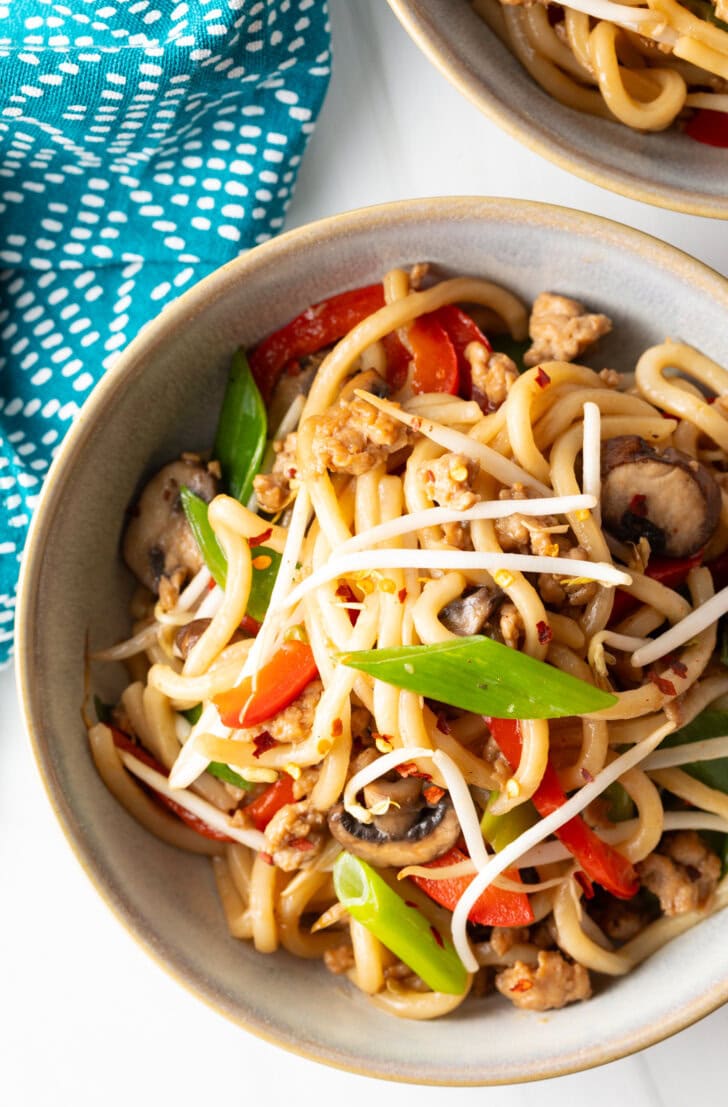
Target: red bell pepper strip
column 398, row 361
column 670, row 571
column 434, row 361
column 316, row 327
column 495, row 907
column 709, row 127
column 278, row 684
column 194, row 822
column 461, row 330
column 262, row 809
column 601, row 863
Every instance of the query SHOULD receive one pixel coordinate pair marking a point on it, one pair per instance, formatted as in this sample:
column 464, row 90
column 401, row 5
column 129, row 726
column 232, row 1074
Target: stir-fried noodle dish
column 646, row 64
column 427, row 652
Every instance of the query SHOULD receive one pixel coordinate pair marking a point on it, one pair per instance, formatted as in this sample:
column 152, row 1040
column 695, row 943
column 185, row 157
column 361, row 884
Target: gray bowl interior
column 162, row 397
column 667, row 168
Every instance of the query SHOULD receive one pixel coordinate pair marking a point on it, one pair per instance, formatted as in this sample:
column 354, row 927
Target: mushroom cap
column 158, row 540
column 668, row 498
column 433, row 833
column 469, row 614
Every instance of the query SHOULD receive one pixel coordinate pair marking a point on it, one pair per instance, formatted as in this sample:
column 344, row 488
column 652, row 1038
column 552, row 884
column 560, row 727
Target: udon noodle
column 642, row 64
column 422, row 490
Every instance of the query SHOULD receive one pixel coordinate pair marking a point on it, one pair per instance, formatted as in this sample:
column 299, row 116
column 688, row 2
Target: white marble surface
column 86, row 1017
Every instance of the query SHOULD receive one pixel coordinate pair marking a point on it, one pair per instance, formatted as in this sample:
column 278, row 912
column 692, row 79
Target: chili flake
column 263, row 742
column 638, row 505
column 259, row 539
column 437, row 936
column 302, row 844
column 544, row 631
column 409, row 768
column 666, row 686
column 543, row 380
column 523, row 985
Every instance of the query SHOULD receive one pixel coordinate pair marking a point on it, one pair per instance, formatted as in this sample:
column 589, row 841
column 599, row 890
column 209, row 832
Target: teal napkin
column 142, row 144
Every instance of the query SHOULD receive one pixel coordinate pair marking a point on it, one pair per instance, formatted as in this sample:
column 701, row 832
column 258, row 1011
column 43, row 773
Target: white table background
column 85, row 1017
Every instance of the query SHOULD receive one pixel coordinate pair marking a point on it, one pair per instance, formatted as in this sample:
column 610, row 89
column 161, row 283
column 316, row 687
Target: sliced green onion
column 261, row 585
column 711, row 723
column 621, row 805
column 195, row 510
column 401, row 928
column 705, row 10
column 224, row 772
column 241, row 430
column 482, row 676
column 193, row 714
column 500, row 830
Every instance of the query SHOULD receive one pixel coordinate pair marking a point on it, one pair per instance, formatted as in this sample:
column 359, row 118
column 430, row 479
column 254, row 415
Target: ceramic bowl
column 667, row 169
column 163, row 396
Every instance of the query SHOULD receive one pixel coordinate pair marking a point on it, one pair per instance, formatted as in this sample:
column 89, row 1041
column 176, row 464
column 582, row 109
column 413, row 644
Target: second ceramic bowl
column 162, row 397
column 668, row 168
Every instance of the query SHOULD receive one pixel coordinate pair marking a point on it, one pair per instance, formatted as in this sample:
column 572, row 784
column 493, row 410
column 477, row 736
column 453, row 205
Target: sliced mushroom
column 158, row 541
column 422, row 833
column 668, row 498
column 469, row 614
column 189, row 635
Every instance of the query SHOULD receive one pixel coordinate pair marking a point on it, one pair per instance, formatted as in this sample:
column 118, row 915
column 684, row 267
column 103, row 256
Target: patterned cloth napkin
column 142, row 144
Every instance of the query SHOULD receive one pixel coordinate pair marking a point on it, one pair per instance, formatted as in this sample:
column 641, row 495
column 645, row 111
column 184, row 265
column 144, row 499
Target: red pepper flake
column 543, row 380
column 402, row 595
column 679, row 668
column 263, row 742
column 302, row 844
column 259, row 539
column 409, row 903
column 584, row 883
column 442, row 724
column 433, row 794
column 666, row 686
column 523, row 985
column 345, row 593
column 410, row 769
column 266, row 857
column 544, row 631
column 586, row 775
column 638, row 505
column 437, row 936
column 337, row 728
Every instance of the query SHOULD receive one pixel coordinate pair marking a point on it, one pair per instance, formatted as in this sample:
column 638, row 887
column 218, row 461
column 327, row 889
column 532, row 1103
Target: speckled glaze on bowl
column 163, row 396
column 667, row 169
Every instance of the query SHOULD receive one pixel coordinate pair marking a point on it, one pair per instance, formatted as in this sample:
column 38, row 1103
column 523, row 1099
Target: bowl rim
column 186, row 307
column 425, row 34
